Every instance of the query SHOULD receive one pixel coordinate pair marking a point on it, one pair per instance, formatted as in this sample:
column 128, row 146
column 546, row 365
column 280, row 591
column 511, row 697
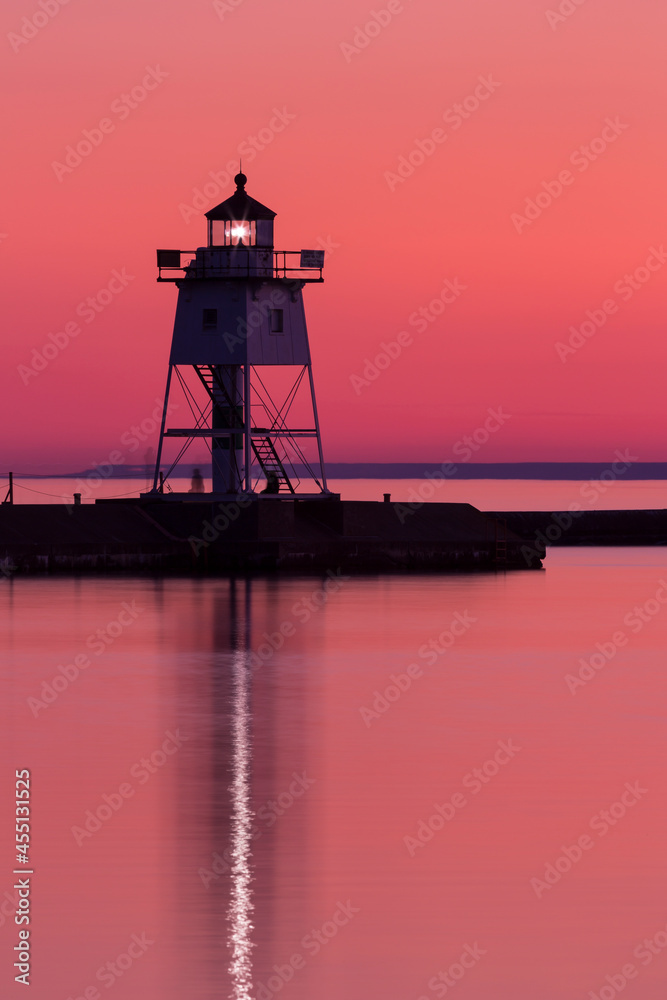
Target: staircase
column 272, row 467
column 206, row 374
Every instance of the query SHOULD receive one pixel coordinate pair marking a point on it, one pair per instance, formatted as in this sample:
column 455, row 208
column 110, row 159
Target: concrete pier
column 589, row 527
column 246, row 535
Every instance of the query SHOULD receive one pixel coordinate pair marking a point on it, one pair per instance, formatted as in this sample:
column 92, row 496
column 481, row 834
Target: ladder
column 272, row 467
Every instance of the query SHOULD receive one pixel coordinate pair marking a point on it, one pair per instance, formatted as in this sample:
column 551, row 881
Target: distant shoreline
column 413, row 470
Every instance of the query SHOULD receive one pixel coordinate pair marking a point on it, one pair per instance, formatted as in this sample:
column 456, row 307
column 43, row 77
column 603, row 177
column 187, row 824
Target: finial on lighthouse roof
column 240, row 205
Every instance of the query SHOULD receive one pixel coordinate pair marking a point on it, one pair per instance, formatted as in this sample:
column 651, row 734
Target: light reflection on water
column 286, row 807
column 241, row 905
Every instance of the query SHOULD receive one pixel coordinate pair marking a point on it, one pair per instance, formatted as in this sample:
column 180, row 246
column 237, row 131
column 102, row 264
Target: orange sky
column 339, row 109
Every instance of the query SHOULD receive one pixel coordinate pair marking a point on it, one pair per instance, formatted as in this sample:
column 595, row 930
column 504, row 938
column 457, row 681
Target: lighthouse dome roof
column 240, row 205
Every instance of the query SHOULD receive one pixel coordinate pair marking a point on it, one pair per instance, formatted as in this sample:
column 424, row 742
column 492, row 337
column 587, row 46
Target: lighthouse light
column 232, row 232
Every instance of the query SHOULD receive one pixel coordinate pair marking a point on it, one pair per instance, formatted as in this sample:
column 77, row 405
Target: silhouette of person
column 272, row 483
column 197, row 485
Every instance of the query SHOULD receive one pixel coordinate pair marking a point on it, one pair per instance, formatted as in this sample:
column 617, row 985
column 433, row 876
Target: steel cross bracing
column 265, row 451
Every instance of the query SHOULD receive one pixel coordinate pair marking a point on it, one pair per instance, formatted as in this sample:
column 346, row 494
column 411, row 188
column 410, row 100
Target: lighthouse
column 240, row 359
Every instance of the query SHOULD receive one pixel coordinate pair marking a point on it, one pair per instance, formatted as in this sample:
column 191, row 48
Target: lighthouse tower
column 240, row 359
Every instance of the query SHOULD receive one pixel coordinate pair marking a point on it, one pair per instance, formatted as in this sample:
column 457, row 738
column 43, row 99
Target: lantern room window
column 232, row 233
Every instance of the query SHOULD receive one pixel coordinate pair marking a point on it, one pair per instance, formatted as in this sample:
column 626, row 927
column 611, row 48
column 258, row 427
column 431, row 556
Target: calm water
column 266, row 767
column 486, row 494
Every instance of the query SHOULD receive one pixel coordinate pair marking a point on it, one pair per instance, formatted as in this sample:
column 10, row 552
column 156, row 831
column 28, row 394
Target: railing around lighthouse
column 240, row 263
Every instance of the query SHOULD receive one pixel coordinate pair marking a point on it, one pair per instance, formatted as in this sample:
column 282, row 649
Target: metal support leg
column 164, row 420
column 317, row 428
column 248, row 427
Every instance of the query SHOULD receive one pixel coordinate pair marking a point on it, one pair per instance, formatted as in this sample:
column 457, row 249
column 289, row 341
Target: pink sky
column 219, row 73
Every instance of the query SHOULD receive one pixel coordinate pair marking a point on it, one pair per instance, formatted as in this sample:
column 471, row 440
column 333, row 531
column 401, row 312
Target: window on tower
column 277, row 321
column 209, row 320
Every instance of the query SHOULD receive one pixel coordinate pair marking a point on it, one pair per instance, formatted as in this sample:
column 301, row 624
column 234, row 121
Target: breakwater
column 184, row 534
column 588, row 527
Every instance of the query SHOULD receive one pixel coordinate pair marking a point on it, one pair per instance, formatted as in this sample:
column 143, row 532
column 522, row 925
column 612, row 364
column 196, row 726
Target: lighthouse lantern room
column 240, row 358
